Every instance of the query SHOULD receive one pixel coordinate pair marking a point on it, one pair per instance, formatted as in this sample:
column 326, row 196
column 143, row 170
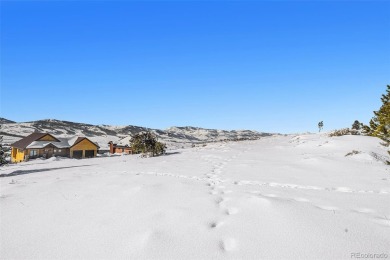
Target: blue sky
column 269, row 66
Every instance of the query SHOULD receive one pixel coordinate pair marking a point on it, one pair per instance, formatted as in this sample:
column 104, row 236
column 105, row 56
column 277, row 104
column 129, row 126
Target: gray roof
column 64, row 143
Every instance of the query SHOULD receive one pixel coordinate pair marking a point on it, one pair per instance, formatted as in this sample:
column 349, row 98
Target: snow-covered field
column 279, row 197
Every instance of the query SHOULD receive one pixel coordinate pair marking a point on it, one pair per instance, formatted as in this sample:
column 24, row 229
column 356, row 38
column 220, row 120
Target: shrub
column 352, row 153
column 344, row 131
column 146, row 143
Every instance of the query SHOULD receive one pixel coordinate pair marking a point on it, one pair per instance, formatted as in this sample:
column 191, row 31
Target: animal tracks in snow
column 382, row 221
column 364, row 210
column 216, row 224
column 232, row 211
column 309, row 187
column 218, row 190
column 228, row 244
column 330, row 208
column 213, row 180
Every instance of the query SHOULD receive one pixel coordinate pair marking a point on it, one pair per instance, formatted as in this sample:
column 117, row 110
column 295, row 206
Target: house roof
column 79, row 139
column 31, row 142
column 24, row 142
column 63, row 143
column 123, row 142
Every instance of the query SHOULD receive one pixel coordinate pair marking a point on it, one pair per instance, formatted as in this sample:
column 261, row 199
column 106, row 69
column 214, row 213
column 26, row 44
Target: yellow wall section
column 17, row 155
column 47, row 138
column 84, row 145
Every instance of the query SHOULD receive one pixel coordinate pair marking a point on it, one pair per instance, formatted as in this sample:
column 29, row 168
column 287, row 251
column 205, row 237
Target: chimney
column 111, row 146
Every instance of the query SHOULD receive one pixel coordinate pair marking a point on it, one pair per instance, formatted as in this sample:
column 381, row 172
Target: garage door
column 89, row 153
column 78, row 154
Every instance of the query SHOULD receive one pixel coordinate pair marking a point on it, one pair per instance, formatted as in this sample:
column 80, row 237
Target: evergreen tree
column 366, row 130
column 2, row 154
column 380, row 123
column 320, row 126
column 146, row 142
column 356, row 125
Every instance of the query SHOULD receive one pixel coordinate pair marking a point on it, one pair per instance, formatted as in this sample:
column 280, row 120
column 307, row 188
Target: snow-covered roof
column 71, row 140
column 124, row 141
column 64, row 143
column 32, row 142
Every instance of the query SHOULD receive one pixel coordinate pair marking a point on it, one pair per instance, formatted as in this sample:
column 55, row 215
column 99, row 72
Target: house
column 122, row 146
column 46, row 145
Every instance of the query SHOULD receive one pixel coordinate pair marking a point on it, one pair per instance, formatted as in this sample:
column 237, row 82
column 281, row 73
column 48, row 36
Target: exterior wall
column 64, row 152
column 83, row 145
column 123, row 150
column 55, row 152
column 39, row 153
column 17, row 155
column 47, row 138
column 128, row 151
column 111, row 147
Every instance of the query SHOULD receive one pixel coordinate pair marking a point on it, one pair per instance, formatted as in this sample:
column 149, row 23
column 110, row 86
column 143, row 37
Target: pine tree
column 356, row 125
column 146, row 142
column 366, row 130
column 380, row 123
column 2, row 154
column 320, row 126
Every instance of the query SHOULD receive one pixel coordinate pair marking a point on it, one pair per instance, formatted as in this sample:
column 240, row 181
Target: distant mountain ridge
column 102, row 134
column 5, row 121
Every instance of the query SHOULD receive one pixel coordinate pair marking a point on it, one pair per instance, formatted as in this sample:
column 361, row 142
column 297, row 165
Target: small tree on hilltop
column 320, row 126
column 356, row 125
column 146, row 143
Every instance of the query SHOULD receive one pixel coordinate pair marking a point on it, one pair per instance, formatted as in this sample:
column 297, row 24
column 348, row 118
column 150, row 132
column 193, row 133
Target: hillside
column 5, row 121
column 280, row 197
column 102, row 134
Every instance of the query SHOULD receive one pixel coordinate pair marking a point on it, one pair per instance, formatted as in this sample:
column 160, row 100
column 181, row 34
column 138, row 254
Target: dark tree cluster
column 320, row 126
column 2, row 152
column 357, row 125
column 147, row 143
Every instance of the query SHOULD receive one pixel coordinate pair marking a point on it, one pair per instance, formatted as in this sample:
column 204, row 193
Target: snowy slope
column 290, row 197
column 175, row 137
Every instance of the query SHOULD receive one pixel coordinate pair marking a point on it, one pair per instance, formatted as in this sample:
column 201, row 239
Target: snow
column 279, row 197
column 124, row 141
column 63, row 143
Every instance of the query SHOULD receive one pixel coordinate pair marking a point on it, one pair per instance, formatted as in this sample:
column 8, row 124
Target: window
column 55, row 150
column 33, row 153
column 59, row 150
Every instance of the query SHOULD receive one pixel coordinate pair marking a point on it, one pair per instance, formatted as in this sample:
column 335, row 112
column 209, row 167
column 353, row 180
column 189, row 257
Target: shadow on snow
column 21, row 172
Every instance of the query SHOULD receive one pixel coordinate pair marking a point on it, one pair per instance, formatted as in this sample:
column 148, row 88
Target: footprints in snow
column 382, row 221
column 228, row 244
column 231, row 211
column 216, row 224
column 308, row 187
column 218, row 190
